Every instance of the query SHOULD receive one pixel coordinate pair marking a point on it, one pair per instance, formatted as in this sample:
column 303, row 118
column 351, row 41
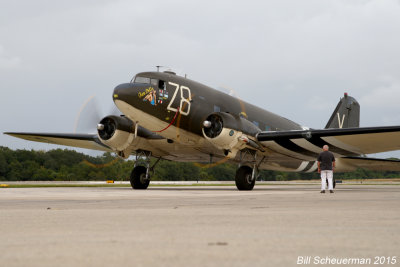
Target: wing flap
column 370, row 143
column 88, row 141
column 342, row 142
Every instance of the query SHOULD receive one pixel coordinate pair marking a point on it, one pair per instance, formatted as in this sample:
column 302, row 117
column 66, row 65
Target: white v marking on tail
column 340, row 122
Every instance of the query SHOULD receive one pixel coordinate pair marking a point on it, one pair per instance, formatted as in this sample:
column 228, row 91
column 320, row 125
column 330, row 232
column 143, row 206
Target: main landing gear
column 139, row 179
column 246, row 176
column 140, row 176
column 244, row 179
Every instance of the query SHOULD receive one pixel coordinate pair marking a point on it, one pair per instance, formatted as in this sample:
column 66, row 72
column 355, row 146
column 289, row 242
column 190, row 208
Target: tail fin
column 346, row 114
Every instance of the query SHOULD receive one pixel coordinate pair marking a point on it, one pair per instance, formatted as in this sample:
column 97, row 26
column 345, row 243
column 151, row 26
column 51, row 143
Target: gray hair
column 325, row 147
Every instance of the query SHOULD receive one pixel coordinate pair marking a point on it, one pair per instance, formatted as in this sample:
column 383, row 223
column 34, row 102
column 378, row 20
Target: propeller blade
column 88, row 117
column 114, row 111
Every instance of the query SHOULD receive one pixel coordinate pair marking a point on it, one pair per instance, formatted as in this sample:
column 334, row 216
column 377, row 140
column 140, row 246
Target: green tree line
column 69, row 165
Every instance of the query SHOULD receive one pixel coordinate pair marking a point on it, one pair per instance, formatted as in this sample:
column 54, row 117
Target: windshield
column 139, row 79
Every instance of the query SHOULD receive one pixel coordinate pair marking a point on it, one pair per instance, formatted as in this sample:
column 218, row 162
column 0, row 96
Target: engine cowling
column 228, row 132
column 116, row 132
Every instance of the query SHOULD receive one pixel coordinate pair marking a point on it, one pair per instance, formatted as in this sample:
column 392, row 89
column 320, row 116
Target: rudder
column 346, row 114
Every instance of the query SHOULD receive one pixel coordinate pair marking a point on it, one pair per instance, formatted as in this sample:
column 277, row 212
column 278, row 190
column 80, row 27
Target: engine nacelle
column 116, row 132
column 228, row 132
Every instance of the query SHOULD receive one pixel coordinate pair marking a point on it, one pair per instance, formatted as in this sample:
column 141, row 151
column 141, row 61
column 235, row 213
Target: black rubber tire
column 137, row 178
column 333, row 181
column 243, row 178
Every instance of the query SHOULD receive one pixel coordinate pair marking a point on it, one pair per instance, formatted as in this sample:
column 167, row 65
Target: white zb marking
column 340, row 122
column 183, row 99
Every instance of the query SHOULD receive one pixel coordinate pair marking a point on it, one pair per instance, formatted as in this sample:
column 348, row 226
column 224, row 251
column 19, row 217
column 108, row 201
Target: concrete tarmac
column 197, row 226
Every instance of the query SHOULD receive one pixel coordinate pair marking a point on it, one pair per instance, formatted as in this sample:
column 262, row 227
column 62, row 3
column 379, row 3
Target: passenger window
column 161, row 84
column 217, row 109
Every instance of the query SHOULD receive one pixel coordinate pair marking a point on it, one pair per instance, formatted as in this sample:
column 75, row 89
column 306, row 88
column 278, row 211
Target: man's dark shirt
column 326, row 158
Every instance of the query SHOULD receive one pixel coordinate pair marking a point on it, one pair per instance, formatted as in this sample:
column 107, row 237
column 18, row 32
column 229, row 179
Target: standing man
column 326, row 165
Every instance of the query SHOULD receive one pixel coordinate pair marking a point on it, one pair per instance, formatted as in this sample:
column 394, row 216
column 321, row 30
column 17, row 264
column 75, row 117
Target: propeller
column 88, row 121
column 90, row 115
column 213, row 126
column 228, row 90
column 106, row 128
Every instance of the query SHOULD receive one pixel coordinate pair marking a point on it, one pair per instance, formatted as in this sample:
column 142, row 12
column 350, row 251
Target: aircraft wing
column 372, row 164
column 89, row 141
column 342, row 142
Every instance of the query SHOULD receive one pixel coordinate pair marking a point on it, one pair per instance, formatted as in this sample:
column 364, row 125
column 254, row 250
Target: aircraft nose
column 123, row 92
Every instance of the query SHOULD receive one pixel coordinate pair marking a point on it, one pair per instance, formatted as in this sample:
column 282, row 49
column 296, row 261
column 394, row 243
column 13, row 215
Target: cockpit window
column 154, row 82
column 139, row 79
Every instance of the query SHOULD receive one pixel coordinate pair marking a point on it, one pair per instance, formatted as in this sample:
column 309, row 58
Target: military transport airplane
column 170, row 117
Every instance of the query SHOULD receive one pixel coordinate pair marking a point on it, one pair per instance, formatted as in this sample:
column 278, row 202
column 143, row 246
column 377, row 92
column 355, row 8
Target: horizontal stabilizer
column 372, row 164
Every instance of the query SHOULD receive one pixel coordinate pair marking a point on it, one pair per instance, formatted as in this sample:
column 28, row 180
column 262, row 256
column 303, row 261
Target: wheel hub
column 143, row 178
column 248, row 178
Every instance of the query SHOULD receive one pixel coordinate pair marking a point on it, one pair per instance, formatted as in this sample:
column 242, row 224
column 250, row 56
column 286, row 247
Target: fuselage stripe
column 314, row 167
column 302, row 166
column 309, row 165
column 317, row 141
column 295, row 148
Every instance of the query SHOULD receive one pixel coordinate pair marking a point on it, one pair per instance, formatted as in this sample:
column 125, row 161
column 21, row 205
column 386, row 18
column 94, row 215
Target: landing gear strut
column 246, row 176
column 140, row 176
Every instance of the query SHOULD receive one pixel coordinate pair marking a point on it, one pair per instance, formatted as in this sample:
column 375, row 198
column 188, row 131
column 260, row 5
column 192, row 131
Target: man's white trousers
column 327, row 175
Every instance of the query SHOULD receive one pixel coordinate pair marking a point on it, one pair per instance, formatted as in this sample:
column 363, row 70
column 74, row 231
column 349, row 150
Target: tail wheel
column 243, row 178
column 138, row 178
column 333, row 182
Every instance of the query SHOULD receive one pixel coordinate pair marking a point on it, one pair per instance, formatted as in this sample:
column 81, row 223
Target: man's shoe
column 322, row 191
column 331, row 191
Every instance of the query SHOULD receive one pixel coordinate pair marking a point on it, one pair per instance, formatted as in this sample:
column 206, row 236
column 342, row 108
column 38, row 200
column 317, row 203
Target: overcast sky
column 294, row 58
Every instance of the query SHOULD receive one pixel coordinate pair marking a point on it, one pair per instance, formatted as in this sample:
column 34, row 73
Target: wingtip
column 11, row 133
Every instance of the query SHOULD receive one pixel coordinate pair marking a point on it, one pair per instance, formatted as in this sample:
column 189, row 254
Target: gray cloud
column 295, row 58
column 8, row 61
